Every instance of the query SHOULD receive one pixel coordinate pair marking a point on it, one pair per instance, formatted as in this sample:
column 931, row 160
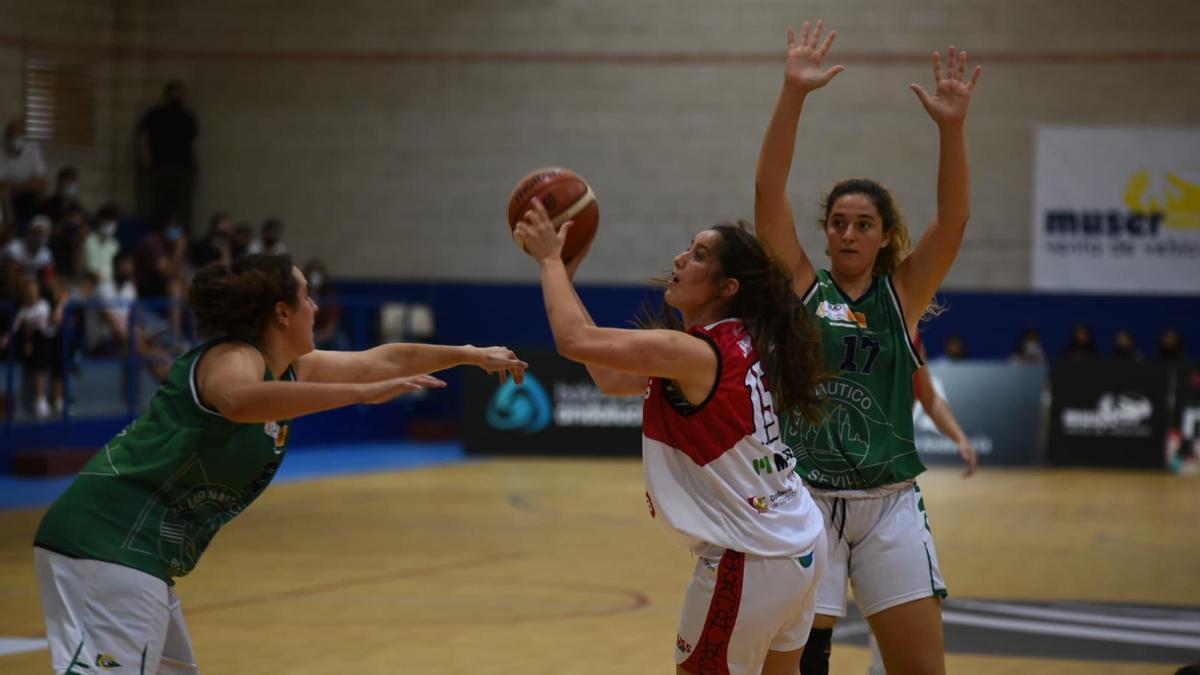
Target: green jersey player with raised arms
column 860, row 461
column 143, row 510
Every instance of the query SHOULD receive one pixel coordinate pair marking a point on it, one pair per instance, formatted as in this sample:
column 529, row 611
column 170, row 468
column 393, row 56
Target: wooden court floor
column 553, row 566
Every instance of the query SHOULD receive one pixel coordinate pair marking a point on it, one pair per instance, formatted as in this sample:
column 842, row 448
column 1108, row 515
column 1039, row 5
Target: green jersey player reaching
column 860, row 460
column 146, row 506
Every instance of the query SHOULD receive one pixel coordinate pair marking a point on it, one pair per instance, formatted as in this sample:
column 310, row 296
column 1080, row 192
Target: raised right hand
column 386, row 390
column 803, row 70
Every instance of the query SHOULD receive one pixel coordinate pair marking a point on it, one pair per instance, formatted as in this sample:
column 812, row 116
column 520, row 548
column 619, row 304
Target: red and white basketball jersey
column 717, row 473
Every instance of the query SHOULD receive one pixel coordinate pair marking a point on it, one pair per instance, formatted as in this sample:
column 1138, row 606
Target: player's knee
column 815, row 660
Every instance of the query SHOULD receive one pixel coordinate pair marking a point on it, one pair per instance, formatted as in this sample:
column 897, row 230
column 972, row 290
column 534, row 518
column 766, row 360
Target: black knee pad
column 815, row 660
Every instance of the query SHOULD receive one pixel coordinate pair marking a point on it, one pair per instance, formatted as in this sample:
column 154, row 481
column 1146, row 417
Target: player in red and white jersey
column 716, row 473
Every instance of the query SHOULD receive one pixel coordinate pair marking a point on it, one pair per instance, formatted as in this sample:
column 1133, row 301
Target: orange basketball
column 566, row 196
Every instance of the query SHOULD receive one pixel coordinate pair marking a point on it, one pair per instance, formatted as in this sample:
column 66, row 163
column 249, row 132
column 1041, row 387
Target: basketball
column 566, row 196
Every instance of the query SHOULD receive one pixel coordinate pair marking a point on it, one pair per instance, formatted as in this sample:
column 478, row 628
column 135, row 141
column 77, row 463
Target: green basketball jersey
column 865, row 436
column 154, row 496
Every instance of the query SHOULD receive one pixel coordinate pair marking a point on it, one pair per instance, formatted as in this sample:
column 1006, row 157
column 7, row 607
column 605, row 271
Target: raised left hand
column 948, row 105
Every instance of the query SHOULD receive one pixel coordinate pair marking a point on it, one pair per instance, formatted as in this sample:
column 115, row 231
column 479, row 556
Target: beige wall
column 389, row 164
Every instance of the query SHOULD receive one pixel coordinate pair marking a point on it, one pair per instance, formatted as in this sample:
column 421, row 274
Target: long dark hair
column 238, row 300
column 787, row 339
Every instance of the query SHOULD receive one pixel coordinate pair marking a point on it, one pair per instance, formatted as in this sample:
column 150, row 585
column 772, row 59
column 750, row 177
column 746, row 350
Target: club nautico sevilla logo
column 519, row 407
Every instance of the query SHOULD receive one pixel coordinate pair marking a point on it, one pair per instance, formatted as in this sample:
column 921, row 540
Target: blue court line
column 301, row 464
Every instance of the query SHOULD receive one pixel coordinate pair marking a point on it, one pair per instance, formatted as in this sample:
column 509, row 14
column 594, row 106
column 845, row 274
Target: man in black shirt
column 166, row 138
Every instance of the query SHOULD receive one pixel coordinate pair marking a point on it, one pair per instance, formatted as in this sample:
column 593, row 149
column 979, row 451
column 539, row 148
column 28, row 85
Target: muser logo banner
column 1105, row 412
column 1117, row 210
column 557, row 410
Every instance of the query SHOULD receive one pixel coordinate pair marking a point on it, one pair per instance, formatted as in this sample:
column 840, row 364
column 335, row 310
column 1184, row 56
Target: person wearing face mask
column 30, row 253
column 216, row 245
column 270, row 238
column 160, row 264
column 1125, row 347
column 1170, row 347
column 101, row 245
column 1029, row 349
column 66, row 244
column 166, row 148
column 66, row 194
column 22, row 175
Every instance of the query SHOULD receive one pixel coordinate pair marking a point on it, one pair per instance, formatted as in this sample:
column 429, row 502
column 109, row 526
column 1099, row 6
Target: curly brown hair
column 238, row 300
column 897, row 250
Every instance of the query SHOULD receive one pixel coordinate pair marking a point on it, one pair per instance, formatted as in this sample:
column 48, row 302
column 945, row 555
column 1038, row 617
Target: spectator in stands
column 270, row 238
column 243, row 236
column 955, row 348
column 31, row 330
column 109, row 324
column 1125, row 347
column 22, row 175
column 1170, row 347
column 112, row 302
column 31, row 253
column 66, row 194
column 327, row 332
column 159, row 263
column 11, row 280
column 216, row 246
column 1082, row 345
column 166, row 142
column 101, row 245
column 1029, row 349
column 67, row 239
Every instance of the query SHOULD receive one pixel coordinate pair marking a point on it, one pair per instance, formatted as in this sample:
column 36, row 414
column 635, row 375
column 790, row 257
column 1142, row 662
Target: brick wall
column 389, row 161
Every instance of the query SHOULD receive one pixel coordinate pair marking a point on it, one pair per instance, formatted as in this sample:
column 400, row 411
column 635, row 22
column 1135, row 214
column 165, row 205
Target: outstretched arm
column 919, row 275
column 773, row 221
column 402, row 360
column 229, row 377
column 669, row 354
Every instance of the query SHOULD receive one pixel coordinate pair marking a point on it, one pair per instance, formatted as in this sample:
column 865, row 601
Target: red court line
column 343, row 584
column 636, row 599
column 584, row 57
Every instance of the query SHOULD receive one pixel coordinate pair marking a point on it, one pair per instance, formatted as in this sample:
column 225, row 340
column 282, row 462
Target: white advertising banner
column 1117, row 210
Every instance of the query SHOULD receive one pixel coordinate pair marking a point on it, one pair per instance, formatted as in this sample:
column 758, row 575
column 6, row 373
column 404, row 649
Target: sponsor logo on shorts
column 106, row 662
column 806, row 560
column 682, row 644
column 764, row 504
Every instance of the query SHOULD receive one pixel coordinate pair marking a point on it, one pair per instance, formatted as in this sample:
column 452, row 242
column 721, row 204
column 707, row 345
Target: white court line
column 1178, row 626
column 1086, row 632
column 20, row 645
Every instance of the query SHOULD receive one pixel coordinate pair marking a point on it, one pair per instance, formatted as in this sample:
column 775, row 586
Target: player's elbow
column 570, row 346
